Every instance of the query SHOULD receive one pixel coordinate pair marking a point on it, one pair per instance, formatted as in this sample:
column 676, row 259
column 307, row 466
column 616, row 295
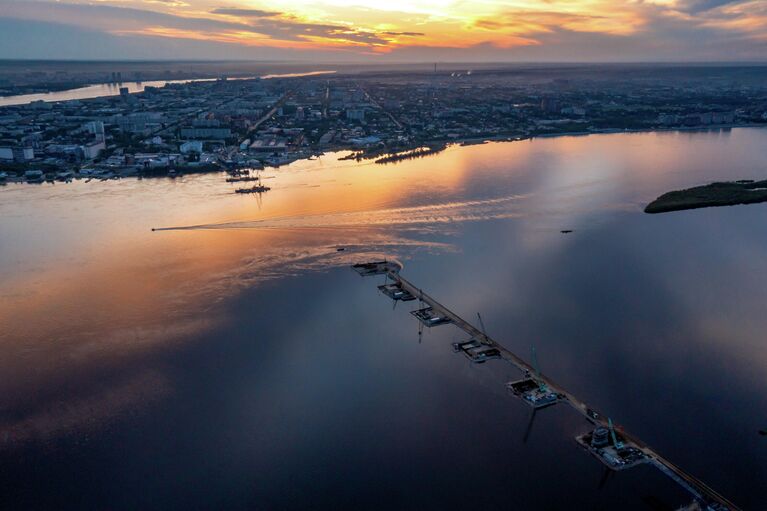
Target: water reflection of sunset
column 91, row 286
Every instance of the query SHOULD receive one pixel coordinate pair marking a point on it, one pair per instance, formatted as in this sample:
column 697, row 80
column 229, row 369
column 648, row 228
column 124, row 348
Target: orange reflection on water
column 87, row 283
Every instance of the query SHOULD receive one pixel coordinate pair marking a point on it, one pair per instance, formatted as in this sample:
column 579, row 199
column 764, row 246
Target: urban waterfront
column 100, row 90
column 241, row 364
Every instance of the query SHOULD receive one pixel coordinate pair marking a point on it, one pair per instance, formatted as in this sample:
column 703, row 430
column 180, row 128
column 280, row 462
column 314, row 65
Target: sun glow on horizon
column 401, row 27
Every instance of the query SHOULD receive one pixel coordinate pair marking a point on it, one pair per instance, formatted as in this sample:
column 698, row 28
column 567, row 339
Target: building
column 269, row 144
column 192, row 146
column 326, row 138
column 6, row 153
column 153, row 160
column 92, row 149
column 116, row 160
column 140, row 122
column 66, row 150
column 550, row 105
column 574, row 110
column 97, row 128
column 723, row 117
column 355, row 114
column 365, row 141
column 41, row 105
column 17, row 154
column 668, row 119
column 217, row 133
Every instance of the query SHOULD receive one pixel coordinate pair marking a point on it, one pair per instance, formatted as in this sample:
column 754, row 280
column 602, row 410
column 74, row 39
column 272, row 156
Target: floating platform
column 600, row 444
column 476, row 351
column 615, row 451
column 533, row 393
column 395, row 292
column 376, row 268
column 429, row 317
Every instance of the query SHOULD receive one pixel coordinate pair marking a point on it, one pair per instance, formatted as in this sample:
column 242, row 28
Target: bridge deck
column 698, row 489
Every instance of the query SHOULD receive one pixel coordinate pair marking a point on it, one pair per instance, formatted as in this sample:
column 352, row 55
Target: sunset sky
column 387, row 30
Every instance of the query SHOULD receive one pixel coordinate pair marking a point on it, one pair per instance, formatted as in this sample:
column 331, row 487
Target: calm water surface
column 242, row 365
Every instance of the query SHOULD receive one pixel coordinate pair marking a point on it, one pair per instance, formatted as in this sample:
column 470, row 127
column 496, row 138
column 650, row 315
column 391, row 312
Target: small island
column 744, row 191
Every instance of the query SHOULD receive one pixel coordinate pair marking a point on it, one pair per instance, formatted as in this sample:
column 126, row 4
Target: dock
column 616, row 450
column 396, row 293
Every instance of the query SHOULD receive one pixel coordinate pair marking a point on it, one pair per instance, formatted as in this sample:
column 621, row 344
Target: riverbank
column 90, row 90
column 15, row 173
column 730, row 193
column 609, row 131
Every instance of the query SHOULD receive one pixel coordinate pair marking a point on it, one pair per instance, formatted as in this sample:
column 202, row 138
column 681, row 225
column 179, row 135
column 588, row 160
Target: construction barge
column 616, row 448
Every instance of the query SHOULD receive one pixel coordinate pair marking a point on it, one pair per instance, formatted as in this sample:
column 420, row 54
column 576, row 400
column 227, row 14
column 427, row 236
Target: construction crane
column 534, row 357
column 482, row 324
column 616, row 442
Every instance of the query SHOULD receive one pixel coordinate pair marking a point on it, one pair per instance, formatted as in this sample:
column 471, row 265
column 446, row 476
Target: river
column 241, row 364
column 113, row 89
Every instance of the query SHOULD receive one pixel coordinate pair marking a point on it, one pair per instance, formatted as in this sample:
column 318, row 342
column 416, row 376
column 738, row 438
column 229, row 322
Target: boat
column 254, row 189
column 239, row 179
column 258, row 188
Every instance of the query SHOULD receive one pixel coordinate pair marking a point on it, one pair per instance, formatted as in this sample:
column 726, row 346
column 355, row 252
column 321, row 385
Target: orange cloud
column 364, row 26
column 523, row 22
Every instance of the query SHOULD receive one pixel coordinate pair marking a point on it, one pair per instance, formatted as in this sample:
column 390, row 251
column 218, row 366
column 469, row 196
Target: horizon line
column 389, row 63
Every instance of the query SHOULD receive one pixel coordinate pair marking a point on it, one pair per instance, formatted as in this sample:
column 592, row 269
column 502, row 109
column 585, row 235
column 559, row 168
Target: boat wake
column 449, row 212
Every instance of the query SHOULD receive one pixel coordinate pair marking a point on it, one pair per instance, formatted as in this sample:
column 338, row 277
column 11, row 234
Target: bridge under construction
column 615, row 448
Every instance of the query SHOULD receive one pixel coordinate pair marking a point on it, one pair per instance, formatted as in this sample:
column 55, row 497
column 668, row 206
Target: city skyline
column 365, row 31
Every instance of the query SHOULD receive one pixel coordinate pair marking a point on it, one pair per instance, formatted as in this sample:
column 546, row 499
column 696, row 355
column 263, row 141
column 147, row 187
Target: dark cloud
column 699, row 6
column 408, row 34
column 48, row 29
column 536, row 21
column 245, row 13
column 25, row 39
column 128, row 20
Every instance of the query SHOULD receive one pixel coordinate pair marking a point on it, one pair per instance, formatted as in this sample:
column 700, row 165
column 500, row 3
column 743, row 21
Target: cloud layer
column 583, row 30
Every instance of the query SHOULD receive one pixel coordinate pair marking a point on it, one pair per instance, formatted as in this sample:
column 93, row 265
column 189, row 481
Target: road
column 326, row 101
column 268, row 115
column 378, row 106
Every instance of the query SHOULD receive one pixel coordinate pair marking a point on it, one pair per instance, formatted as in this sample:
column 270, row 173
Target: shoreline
column 393, row 157
column 613, row 131
column 717, row 194
column 467, row 141
column 48, row 96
